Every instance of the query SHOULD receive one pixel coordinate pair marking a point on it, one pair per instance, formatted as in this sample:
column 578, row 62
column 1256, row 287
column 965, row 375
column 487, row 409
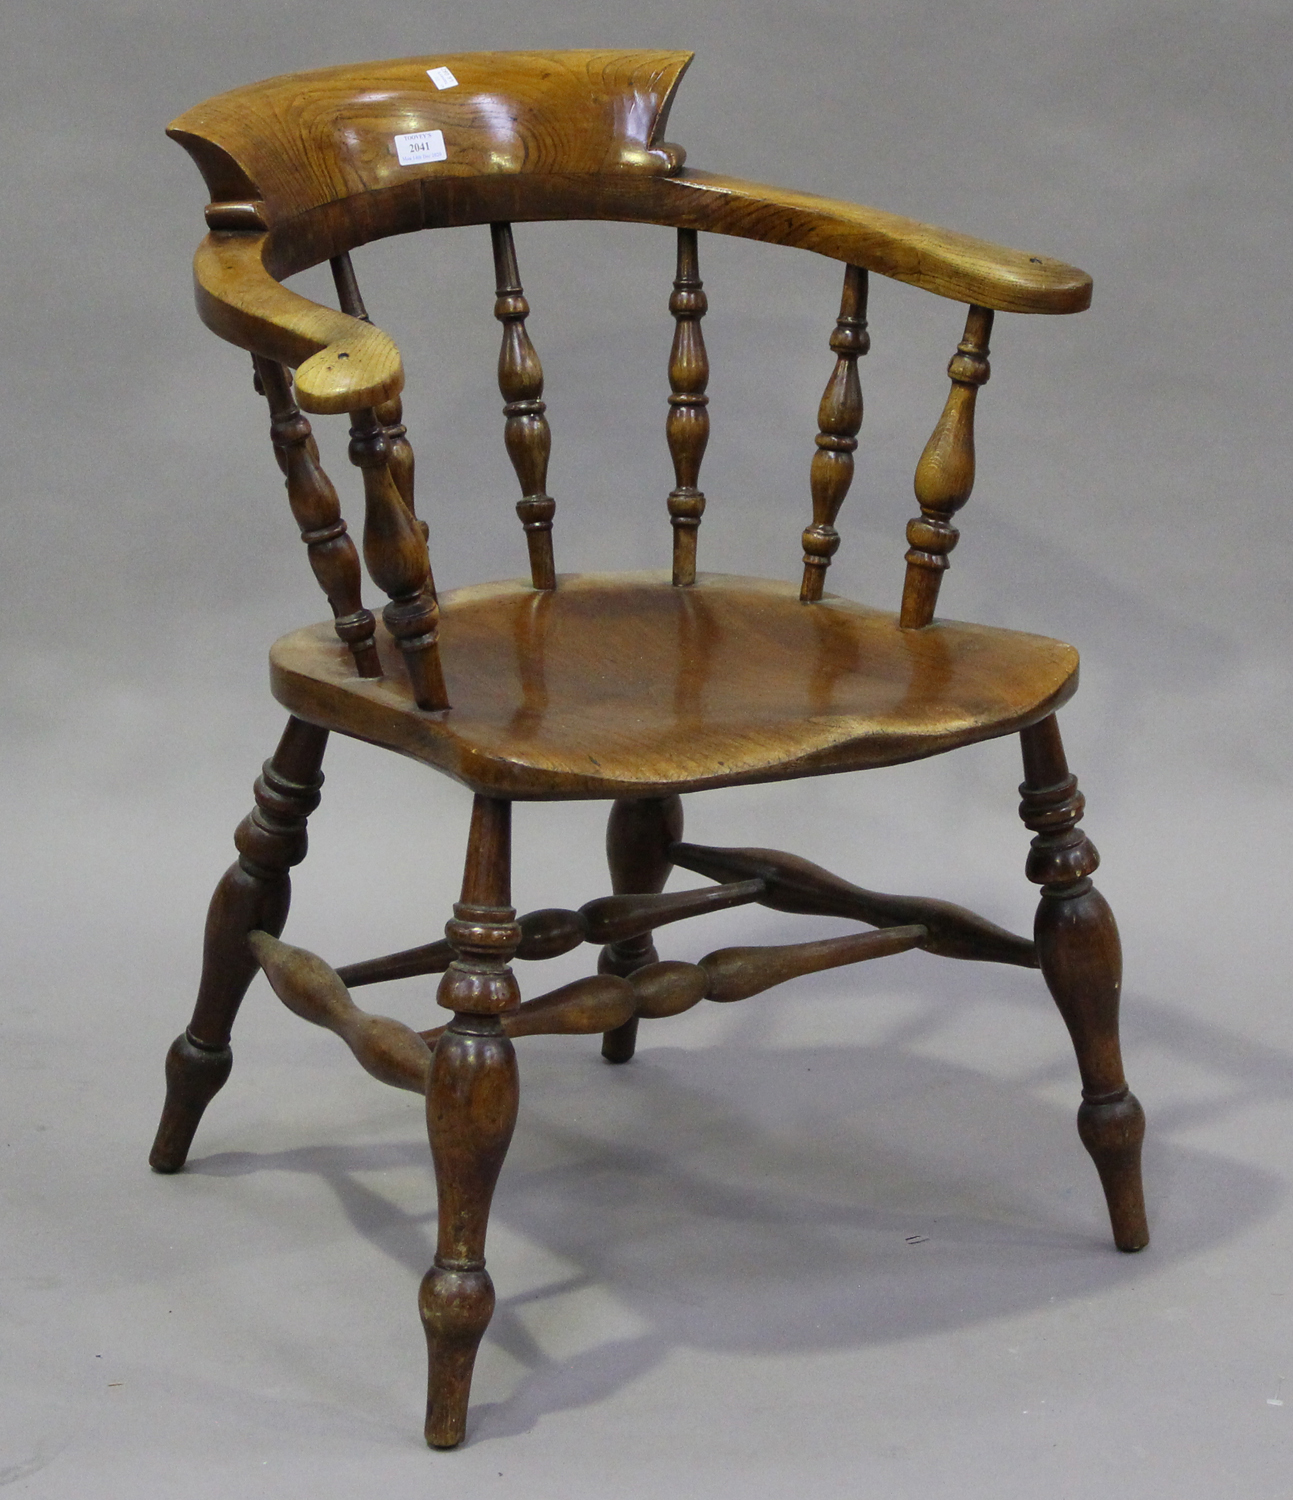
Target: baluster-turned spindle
column 391, row 416
column 839, row 417
column 945, row 475
column 520, row 380
column 395, row 551
column 687, row 425
column 390, row 413
column 317, row 511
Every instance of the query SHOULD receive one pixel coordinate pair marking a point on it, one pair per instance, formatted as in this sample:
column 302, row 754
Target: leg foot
column 253, row 893
column 194, row 1076
column 638, row 836
column 456, row 1307
column 1112, row 1131
column 1080, row 956
column 620, row 1043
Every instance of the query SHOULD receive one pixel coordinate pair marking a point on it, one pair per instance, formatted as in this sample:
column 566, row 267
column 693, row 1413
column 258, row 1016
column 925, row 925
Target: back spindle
column 687, row 425
column 945, row 475
column 314, row 504
column 390, row 414
column 839, row 418
column 395, row 551
column 525, row 431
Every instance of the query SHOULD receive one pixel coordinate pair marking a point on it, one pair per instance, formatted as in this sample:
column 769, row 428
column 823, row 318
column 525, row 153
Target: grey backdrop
column 705, row 1281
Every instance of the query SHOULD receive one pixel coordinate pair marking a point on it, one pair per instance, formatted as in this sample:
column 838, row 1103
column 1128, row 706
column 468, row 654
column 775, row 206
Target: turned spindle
column 525, row 430
column 395, row 551
column 317, row 512
column 687, row 425
column 1081, row 960
column 390, row 413
column 471, row 1110
column 552, row 931
column 945, row 475
column 838, row 417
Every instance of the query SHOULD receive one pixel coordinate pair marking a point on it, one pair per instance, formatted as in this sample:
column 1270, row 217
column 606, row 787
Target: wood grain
column 392, row 1052
column 552, row 931
column 471, row 1101
column 304, row 168
column 254, row 892
column 945, row 475
column 839, row 419
column 687, row 425
column 1081, row 959
column 632, row 688
column 525, row 427
column 317, row 512
column 792, row 884
column 586, row 692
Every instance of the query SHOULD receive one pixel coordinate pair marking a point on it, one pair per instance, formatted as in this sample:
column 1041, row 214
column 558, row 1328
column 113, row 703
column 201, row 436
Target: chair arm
column 342, row 364
column 939, row 260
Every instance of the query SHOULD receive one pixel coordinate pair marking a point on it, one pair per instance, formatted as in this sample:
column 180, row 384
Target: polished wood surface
column 632, row 688
column 389, row 413
column 392, row 1052
column 1081, row 959
column 945, row 475
column 471, row 1099
column 305, row 168
column 788, row 883
column 254, row 894
column 293, row 142
column 839, row 418
column 640, row 832
column 395, row 1054
column 317, row 511
column 395, row 553
column 623, row 686
column 555, row 930
column 687, row 425
column 525, row 428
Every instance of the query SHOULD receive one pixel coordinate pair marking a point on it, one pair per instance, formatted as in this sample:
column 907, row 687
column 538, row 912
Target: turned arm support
column 342, row 363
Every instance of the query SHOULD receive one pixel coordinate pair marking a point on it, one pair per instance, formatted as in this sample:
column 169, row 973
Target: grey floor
column 840, row 1240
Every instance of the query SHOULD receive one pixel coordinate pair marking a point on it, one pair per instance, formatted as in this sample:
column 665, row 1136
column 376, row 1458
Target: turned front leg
column 1081, row 959
column 254, row 893
column 472, row 1094
column 638, row 836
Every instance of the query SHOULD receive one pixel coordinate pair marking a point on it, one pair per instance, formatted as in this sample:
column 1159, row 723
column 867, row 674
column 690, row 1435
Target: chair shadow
column 757, row 1199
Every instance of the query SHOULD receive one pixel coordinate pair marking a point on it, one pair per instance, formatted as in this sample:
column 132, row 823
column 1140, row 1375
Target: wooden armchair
column 634, row 688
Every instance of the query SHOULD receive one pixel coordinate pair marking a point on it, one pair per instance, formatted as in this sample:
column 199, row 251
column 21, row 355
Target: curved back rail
column 306, row 167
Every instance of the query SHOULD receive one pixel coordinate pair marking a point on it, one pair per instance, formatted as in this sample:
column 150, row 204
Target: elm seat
column 622, row 685
column 633, row 688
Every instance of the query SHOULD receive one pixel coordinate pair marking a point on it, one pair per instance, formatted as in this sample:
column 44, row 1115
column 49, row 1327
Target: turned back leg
column 638, row 836
column 254, row 893
column 1081, row 958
